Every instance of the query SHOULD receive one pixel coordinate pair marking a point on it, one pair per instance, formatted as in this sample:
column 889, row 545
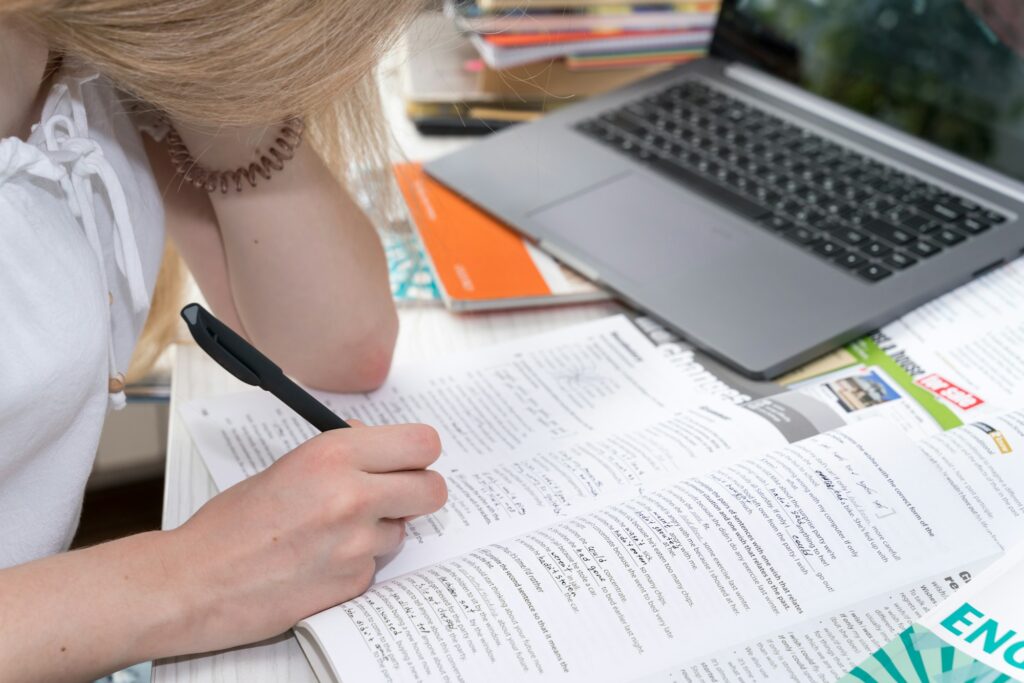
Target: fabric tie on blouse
column 82, row 160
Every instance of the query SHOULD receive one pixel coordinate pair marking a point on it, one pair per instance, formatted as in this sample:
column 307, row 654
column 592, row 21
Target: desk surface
column 425, row 333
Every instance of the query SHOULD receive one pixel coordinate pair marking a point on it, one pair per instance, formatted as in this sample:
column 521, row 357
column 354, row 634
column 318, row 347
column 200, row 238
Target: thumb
column 356, row 424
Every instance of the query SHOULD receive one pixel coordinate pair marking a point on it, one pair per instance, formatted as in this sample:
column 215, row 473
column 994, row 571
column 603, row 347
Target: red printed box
column 961, row 398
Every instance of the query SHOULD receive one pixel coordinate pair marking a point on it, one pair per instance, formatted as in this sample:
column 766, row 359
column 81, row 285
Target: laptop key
column 938, row 210
column 888, row 232
column 859, row 194
column 875, row 249
column 731, row 199
column 833, row 207
column 791, row 207
column 855, row 218
column 777, row 223
column 810, row 215
column 899, row 260
column 874, row 272
column 881, row 204
column 851, row 260
column 949, row 237
column 829, row 248
column 851, row 236
column 916, row 222
column 993, row 217
column 924, row 249
column 800, row 235
column 625, row 123
column 898, row 215
column 973, row 225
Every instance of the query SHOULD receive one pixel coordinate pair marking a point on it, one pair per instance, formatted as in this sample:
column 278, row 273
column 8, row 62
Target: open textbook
column 608, row 521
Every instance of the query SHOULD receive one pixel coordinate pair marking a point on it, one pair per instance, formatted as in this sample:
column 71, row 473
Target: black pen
column 242, row 360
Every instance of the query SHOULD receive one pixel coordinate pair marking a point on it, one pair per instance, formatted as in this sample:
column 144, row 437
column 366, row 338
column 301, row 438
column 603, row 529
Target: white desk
column 425, row 333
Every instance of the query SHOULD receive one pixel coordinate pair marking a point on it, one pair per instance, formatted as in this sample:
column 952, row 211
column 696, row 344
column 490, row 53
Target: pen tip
column 191, row 313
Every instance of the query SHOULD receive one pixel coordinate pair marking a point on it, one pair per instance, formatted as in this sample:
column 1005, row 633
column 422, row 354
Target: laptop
column 828, row 167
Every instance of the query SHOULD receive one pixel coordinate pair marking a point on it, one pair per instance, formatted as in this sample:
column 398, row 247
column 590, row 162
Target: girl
column 244, row 104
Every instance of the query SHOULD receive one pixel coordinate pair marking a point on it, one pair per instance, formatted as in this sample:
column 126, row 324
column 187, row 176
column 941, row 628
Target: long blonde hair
column 235, row 63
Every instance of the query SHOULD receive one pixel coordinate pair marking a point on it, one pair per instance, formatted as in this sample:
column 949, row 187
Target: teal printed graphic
column 919, row 656
column 408, row 269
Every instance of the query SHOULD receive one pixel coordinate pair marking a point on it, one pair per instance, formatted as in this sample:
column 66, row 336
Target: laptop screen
column 948, row 71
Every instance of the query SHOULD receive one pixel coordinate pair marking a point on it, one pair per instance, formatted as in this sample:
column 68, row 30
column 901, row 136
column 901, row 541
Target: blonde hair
column 237, row 63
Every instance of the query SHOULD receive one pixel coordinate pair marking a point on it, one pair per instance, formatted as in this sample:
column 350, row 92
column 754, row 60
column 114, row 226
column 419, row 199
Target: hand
column 302, row 535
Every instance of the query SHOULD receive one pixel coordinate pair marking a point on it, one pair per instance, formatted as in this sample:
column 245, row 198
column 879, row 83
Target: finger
column 354, row 423
column 398, row 495
column 389, row 536
column 388, row 448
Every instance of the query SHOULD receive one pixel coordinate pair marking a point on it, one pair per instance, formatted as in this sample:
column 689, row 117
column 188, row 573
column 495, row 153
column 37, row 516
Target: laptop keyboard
column 858, row 213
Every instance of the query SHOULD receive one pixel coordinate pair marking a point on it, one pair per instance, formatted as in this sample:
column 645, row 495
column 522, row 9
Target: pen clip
column 206, row 331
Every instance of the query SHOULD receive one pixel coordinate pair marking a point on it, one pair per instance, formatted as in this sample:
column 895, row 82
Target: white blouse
column 81, row 238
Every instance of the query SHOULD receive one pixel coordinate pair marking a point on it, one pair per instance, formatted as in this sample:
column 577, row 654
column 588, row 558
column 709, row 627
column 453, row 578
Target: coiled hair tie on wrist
column 288, row 139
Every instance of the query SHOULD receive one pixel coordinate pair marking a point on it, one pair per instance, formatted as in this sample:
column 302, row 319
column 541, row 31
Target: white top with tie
column 81, row 238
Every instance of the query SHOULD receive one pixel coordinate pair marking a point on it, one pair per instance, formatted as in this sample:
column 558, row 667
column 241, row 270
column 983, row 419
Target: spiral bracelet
column 288, row 139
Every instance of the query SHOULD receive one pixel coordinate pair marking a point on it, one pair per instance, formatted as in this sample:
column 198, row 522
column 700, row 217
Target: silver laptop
column 829, row 167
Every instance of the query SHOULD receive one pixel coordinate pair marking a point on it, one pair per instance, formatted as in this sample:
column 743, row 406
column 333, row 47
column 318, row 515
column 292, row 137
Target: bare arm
column 293, row 264
column 291, row 541
column 83, row 614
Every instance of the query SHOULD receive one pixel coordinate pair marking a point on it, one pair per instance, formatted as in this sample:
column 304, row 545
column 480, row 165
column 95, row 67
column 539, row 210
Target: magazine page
column 826, row 647
column 977, row 634
column 635, row 588
column 956, row 359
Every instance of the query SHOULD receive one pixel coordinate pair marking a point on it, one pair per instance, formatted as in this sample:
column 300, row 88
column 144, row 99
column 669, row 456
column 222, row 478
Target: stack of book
column 587, row 34
column 487, row 64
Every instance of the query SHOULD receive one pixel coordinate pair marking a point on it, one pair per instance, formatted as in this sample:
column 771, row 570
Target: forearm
column 83, row 614
column 307, row 272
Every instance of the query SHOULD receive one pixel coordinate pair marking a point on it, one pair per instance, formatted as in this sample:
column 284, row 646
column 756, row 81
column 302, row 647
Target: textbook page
column 695, row 567
column 955, row 359
column 518, row 491
column 489, row 501
column 983, row 465
column 512, row 397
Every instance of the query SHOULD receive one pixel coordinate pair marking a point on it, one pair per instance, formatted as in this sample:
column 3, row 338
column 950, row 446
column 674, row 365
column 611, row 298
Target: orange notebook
column 478, row 263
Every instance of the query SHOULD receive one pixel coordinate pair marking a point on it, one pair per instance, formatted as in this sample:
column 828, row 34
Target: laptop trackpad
column 643, row 229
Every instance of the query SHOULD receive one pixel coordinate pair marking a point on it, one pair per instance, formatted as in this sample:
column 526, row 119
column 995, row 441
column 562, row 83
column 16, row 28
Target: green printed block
column 867, row 352
column 917, row 655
